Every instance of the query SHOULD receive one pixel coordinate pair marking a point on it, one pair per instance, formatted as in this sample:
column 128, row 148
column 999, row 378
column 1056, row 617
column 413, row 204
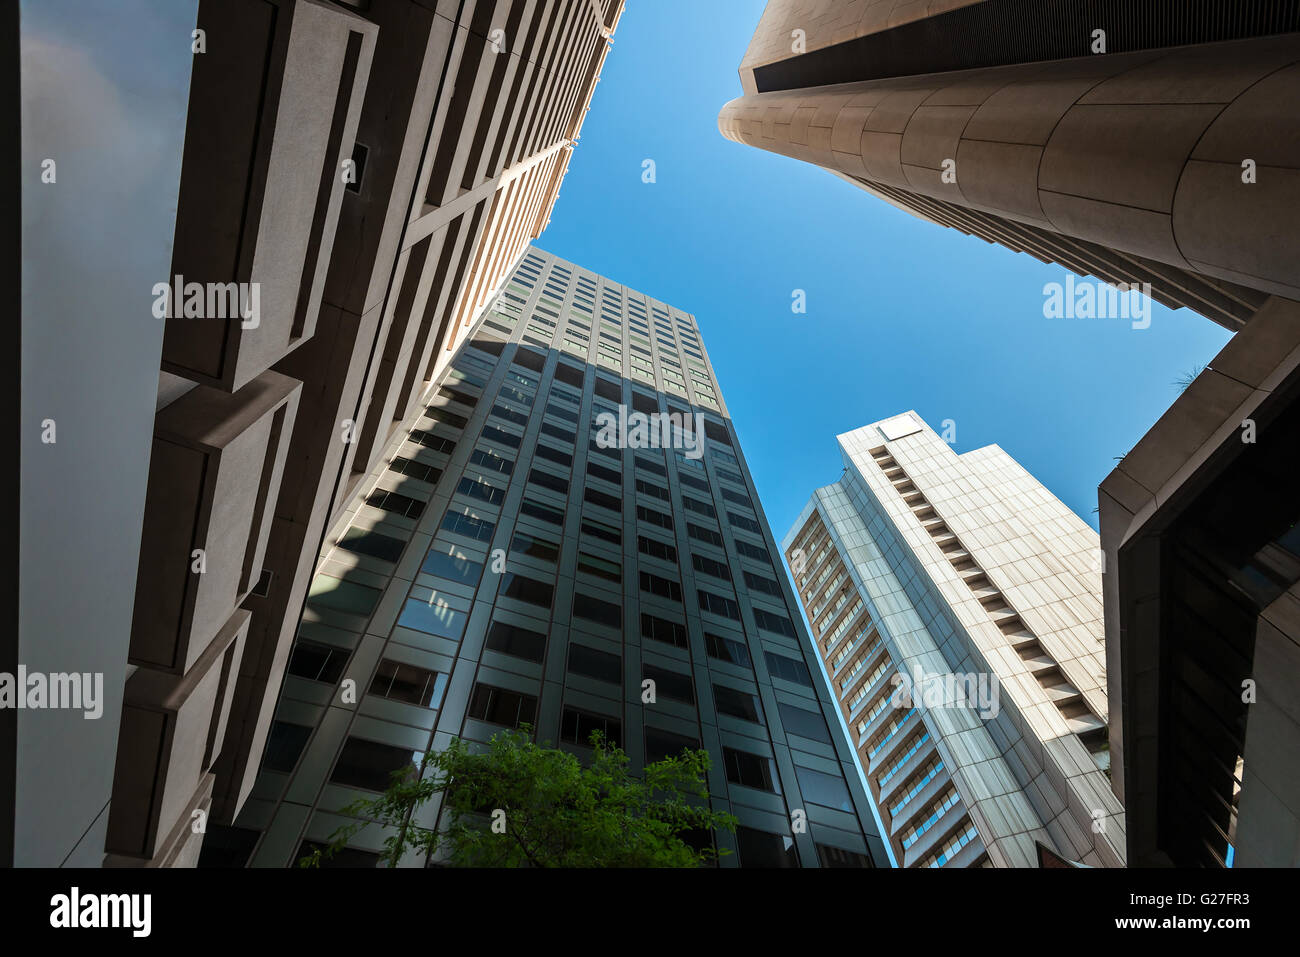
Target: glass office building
column 569, row 516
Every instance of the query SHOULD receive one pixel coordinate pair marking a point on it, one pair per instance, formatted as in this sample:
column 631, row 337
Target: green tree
column 520, row 804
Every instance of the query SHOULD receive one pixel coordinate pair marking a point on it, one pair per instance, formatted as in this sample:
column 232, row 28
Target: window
column 433, row 618
column 740, row 521
column 737, row 497
column 471, row 526
column 406, row 683
column 664, row 744
column 568, row 414
column 788, row 669
column 601, row 567
column 607, row 533
column 555, row 455
column 374, row 544
column 603, row 499
column 449, row 562
column 284, row 743
column 446, row 417
column 516, row 642
column 612, row 453
column 609, row 475
column 568, row 374
column 670, row 684
column 650, row 466
column 763, row 849
column 765, row 585
column 749, row 770
column 828, row 790
column 491, row 461
column 738, row 704
column 548, row 481
column 527, row 590
column 771, row 622
column 656, row 549
column 690, row 481
column 593, row 609
column 654, row 491
column 700, row 533
column 509, row 414
column 402, row 505
column 753, row 551
column 576, row 727
column 660, row 629
column 545, row 513
column 697, row 506
column 728, row 649
column 499, row 706
column 493, row 434
column 806, row 724
column 654, row 518
column 593, row 663
column 317, row 662
column 369, row 764
column 718, row 605
column 344, row 596
column 415, row 469
column 476, row 488
column 710, row 567
column 663, row 587
column 534, row 546
column 836, row 857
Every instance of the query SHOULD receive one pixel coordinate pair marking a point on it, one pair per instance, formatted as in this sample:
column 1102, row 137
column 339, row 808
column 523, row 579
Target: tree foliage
column 520, row 804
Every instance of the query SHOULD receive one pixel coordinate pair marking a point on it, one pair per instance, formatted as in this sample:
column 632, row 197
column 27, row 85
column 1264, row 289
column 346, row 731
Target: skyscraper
column 355, row 181
column 569, row 516
column 956, row 607
column 1139, row 142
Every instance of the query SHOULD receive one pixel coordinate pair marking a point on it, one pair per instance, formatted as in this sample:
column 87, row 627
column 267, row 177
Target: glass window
column 317, row 662
column 670, row 684
column 806, row 724
column 516, row 641
column 449, row 562
column 594, row 663
column 369, row 764
column 340, row 595
column 828, row 790
column 738, row 704
column 406, row 683
column 500, row 706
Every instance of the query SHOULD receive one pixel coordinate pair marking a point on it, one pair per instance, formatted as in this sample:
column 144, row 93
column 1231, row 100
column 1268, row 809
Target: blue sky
column 902, row 314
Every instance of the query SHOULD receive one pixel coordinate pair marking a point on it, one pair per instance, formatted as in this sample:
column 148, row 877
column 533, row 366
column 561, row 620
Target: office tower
column 956, row 607
column 355, row 180
column 1138, row 142
column 510, row 561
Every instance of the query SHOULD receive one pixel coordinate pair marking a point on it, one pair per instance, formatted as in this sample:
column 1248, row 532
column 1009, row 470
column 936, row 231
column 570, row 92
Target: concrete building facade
column 1198, row 523
column 956, row 608
column 506, row 564
column 1120, row 140
column 356, row 180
